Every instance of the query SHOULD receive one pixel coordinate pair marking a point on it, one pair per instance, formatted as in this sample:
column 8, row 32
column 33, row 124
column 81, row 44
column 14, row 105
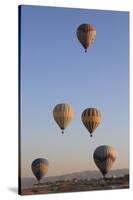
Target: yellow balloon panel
column 91, row 118
column 63, row 115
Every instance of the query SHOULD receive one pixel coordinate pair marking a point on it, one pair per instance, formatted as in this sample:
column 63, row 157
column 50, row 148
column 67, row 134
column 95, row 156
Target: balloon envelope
column 63, row 114
column 39, row 167
column 86, row 34
column 91, row 118
column 104, row 157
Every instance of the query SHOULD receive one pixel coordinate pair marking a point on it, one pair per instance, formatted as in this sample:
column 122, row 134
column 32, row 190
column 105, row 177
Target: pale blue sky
column 55, row 69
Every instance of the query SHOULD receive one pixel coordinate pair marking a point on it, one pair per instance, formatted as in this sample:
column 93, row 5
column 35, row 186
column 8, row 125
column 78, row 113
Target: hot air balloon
column 104, row 157
column 63, row 114
column 91, row 118
column 39, row 168
column 86, row 34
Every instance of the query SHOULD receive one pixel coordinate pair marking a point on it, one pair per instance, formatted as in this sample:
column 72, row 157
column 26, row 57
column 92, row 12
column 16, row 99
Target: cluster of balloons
column 104, row 156
column 63, row 114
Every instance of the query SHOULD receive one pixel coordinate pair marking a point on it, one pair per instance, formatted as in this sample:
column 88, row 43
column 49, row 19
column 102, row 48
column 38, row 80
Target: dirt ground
column 77, row 185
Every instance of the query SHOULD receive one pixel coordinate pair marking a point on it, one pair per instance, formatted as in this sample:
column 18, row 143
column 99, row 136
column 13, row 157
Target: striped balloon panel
column 86, row 34
column 91, row 118
column 104, row 157
column 39, row 168
column 63, row 114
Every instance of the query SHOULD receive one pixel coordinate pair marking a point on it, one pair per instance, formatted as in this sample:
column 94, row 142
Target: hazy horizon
column 96, row 170
column 55, row 69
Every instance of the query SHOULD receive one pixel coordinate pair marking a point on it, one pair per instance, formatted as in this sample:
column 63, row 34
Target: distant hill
column 28, row 182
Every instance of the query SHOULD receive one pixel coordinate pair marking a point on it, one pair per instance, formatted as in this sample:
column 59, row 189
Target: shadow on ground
column 13, row 189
